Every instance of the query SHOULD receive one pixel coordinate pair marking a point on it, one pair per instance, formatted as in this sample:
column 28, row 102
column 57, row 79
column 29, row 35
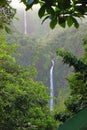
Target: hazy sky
column 17, row 4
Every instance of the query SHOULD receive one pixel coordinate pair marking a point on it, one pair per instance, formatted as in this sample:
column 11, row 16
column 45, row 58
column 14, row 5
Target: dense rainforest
column 26, row 58
column 39, row 47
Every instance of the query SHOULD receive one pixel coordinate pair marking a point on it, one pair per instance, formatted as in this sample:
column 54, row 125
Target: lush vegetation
column 40, row 51
column 77, row 82
column 60, row 12
column 77, row 122
column 6, row 15
column 23, row 102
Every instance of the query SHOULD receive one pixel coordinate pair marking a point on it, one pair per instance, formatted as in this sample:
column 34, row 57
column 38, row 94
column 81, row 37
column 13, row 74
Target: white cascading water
column 25, row 22
column 51, row 85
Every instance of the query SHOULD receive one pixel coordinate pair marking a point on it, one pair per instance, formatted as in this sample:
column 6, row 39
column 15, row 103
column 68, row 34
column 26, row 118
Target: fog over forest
column 43, row 65
column 46, row 41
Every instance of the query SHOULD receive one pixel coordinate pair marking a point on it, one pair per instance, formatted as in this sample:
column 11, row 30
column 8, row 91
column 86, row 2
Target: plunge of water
column 25, row 22
column 51, row 85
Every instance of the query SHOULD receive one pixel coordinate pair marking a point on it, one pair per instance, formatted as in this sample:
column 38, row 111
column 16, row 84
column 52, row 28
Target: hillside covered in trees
column 32, row 56
column 39, row 51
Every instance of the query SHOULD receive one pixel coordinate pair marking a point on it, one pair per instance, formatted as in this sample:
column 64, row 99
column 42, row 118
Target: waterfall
column 51, row 85
column 25, row 22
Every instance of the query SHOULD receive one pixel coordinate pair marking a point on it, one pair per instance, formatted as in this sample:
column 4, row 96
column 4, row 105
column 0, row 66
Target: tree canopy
column 77, row 82
column 6, row 14
column 23, row 101
column 60, row 12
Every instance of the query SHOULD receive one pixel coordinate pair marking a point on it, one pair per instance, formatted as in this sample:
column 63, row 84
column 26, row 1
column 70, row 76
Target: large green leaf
column 69, row 21
column 76, row 24
column 78, row 122
column 50, row 10
column 41, row 11
column 53, row 23
column 62, row 21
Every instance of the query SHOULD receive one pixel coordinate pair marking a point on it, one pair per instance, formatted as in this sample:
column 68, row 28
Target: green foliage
column 60, row 12
column 39, row 52
column 63, row 93
column 77, row 81
column 53, row 23
column 6, row 15
column 41, row 11
column 72, row 60
column 77, row 122
column 23, row 102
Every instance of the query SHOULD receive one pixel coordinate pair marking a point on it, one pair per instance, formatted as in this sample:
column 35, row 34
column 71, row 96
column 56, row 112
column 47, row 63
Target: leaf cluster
column 60, row 12
column 6, row 15
column 23, row 102
column 72, row 60
column 77, row 81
